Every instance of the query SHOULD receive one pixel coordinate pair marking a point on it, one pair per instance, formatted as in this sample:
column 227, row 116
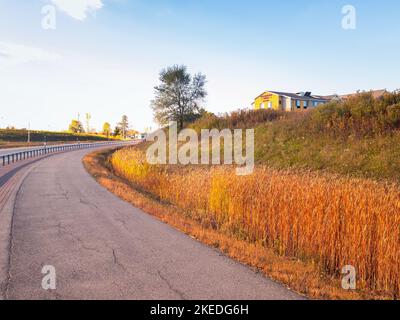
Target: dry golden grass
column 322, row 220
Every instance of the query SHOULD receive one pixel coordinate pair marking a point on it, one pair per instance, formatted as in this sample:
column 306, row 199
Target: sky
column 103, row 57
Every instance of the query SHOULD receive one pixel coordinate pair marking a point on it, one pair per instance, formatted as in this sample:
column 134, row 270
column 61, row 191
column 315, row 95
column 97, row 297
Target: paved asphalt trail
column 104, row 248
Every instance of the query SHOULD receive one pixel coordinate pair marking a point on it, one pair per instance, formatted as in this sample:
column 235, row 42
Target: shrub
column 361, row 115
column 240, row 119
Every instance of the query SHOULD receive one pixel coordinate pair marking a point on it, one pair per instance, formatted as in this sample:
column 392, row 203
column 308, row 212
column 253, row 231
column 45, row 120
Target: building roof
column 297, row 95
column 330, row 97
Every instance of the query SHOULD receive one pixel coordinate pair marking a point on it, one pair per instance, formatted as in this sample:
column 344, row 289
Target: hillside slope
column 359, row 137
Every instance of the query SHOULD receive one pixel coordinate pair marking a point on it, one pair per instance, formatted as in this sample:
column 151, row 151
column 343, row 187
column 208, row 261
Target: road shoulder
column 8, row 195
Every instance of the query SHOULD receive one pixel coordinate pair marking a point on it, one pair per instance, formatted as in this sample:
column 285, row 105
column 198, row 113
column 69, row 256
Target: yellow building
column 288, row 101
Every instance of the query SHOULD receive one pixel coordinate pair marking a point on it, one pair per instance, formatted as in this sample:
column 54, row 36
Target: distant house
column 286, row 101
column 141, row 136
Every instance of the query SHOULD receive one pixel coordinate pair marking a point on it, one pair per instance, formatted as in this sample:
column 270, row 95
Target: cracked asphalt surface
column 104, row 248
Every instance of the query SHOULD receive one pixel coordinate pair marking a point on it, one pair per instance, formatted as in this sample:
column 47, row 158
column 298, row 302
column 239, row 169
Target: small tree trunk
column 180, row 125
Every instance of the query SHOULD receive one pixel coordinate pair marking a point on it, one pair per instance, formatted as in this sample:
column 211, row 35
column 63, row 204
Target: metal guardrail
column 8, row 159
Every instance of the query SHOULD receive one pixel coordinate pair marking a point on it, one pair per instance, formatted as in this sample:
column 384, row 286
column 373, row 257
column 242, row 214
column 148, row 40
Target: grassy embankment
column 18, row 138
column 360, row 137
column 325, row 194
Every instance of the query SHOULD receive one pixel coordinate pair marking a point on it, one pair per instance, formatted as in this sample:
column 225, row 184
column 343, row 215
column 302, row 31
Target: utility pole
column 88, row 117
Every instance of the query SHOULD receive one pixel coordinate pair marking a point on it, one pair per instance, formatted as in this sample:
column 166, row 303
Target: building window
column 261, row 105
column 315, row 103
column 269, row 105
column 305, row 104
column 298, row 104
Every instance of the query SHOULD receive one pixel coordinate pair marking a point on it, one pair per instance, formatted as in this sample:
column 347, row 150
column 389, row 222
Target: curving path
column 104, row 248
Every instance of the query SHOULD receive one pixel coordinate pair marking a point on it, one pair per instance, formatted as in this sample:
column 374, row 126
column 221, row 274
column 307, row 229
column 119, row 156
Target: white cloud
column 14, row 54
column 78, row 9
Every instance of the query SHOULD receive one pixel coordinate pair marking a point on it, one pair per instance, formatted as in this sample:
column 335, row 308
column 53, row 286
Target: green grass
column 371, row 157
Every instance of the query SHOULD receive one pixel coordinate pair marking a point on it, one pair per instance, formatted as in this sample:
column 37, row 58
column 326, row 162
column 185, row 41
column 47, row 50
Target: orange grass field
column 329, row 220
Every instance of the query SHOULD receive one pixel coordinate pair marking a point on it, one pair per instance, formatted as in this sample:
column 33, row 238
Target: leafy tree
column 107, row 129
column 124, row 126
column 117, row 131
column 76, row 127
column 179, row 95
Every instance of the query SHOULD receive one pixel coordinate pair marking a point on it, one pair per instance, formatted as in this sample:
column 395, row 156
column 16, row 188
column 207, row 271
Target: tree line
column 122, row 129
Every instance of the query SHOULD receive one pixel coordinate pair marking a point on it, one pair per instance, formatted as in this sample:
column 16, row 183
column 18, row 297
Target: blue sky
column 105, row 55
